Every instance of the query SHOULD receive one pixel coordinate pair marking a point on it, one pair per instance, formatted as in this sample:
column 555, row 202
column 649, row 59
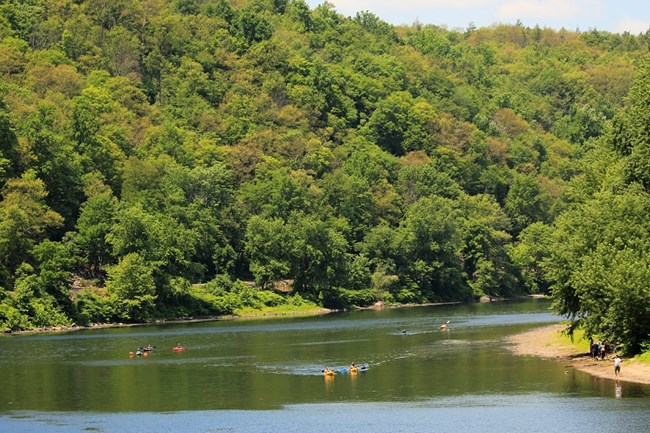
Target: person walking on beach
column 617, row 365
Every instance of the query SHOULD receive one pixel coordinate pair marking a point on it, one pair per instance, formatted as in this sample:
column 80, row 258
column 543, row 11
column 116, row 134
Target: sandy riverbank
column 544, row 342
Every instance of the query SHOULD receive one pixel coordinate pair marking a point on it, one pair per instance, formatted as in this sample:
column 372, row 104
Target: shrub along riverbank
column 295, row 307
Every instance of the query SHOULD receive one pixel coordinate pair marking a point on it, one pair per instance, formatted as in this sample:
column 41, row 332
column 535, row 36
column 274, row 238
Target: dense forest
column 176, row 158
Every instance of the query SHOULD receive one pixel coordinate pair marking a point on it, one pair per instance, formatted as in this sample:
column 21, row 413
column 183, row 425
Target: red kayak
column 179, row 348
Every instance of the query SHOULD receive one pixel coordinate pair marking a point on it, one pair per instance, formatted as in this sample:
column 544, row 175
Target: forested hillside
column 158, row 156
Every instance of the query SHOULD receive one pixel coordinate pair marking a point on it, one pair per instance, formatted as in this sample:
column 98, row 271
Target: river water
column 265, row 375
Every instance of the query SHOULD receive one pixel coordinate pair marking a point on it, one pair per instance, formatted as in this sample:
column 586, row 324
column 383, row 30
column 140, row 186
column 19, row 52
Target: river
column 265, row 376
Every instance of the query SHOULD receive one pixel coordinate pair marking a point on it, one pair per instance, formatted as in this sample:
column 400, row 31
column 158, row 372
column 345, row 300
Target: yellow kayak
column 329, row 373
column 354, row 370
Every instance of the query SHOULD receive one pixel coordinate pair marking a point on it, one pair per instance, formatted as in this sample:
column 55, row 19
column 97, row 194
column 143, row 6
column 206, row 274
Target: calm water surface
column 266, row 376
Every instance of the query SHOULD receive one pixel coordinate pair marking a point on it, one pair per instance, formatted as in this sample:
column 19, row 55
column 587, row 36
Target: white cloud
column 548, row 9
column 616, row 16
column 632, row 25
column 348, row 7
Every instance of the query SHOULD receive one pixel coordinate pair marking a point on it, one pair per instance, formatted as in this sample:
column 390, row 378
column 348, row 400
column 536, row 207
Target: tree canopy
column 168, row 158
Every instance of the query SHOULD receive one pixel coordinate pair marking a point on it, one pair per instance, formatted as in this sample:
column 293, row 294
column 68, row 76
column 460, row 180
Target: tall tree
column 25, row 220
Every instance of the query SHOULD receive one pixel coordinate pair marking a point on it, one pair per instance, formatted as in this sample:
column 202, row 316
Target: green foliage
column 401, row 124
column 34, row 303
column 208, row 300
column 93, row 307
column 25, row 219
column 131, row 287
column 631, row 131
column 344, row 298
column 597, row 262
column 93, row 226
column 528, row 255
column 319, row 258
column 267, row 248
column 9, row 156
column 12, row 318
column 251, row 27
column 157, row 157
column 526, row 203
column 428, row 245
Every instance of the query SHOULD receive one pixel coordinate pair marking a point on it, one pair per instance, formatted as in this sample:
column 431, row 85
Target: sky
column 613, row 16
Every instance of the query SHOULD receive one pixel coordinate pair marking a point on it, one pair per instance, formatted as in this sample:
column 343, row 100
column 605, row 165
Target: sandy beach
column 543, row 342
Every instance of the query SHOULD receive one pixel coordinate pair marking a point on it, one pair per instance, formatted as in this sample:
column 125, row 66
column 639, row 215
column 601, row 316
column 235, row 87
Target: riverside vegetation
column 158, row 156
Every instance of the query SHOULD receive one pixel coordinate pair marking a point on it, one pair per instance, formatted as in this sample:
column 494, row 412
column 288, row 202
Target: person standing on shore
column 617, row 365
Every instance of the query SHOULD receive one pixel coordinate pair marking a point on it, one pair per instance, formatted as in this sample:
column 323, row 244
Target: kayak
column 329, row 373
column 354, row 370
column 179, row 348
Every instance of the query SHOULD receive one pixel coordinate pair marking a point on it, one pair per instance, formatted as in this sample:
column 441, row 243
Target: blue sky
column 613, row 16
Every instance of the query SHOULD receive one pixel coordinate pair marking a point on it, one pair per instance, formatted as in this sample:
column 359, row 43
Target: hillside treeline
column 157, row 157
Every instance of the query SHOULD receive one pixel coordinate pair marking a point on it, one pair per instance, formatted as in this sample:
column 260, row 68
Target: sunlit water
column 266, row 376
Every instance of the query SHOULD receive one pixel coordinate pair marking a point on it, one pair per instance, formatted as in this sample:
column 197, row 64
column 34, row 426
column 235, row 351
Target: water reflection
column 234, row 366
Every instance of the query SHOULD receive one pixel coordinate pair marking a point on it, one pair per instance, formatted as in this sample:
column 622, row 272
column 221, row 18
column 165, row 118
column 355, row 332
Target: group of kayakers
column 352, row 369
column 144, row 350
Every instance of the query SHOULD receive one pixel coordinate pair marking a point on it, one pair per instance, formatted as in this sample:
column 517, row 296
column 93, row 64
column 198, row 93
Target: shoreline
column 544, row 343
column 260, row 315
column 257, row 315
column 74, row 327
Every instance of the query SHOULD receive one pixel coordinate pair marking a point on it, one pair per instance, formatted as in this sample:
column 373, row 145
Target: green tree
column 486, row 263
column 278, row 193
column 528, row 255
column 591, row 285
column 25, row 220
column 56, row 163
column 251, row 27
column 93, row 227
column 9, row 156
column 268, row 244
column 389, row 123
column 526, row 202
column 631, row 134
column 56, row 264
column 132, row 289
column 351, row 198
column 417, row 181
column 319, row 260
column 38, row 308
column 430, row 249
column 99, row 151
